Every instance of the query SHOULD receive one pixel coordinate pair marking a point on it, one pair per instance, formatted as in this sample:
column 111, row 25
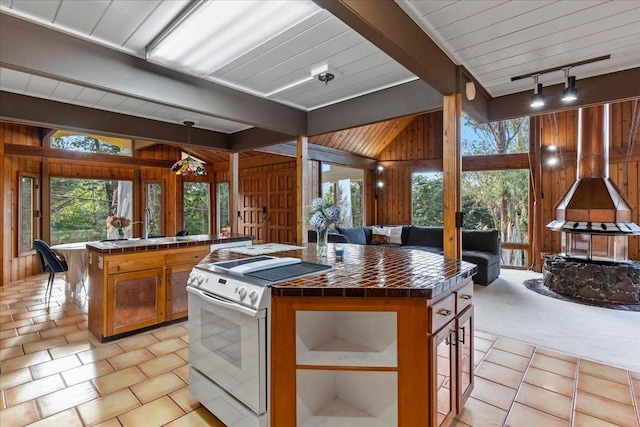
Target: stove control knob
column 192, row 278
column 242, row 291
column 253, row 295
column 200, row 278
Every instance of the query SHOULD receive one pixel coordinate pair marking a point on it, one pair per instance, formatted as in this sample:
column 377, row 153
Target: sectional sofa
column 481, row 247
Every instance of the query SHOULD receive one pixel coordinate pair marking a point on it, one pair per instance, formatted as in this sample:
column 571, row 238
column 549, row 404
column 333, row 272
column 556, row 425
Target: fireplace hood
column 594, row 204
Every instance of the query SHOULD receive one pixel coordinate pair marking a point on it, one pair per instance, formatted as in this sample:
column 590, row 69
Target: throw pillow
column 395, row 234
column 354, row 235
column 380, row 236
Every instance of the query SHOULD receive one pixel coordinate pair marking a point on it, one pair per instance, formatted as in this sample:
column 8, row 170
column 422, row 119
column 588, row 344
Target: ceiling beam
column 322, row 154
column 403, row 100
column 613, row 87
column 38, row 50
column 389, row 28
column 58, row 115
column 251, row 139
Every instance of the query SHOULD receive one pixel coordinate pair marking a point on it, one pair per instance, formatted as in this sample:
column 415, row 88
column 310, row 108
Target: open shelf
column 339, row 352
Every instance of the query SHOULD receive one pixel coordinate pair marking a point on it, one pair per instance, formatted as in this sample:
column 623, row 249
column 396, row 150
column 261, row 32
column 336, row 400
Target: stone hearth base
column 614, row 283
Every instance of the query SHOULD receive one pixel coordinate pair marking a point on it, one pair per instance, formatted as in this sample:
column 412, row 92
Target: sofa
column 480, row 247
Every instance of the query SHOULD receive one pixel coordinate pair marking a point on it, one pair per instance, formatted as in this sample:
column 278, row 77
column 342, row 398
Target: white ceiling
column 494, row 40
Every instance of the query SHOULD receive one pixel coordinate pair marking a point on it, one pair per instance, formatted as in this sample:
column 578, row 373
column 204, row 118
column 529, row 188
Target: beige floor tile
column 167, row 346
column 29, row 314
column 169, row 332
column 80, row 335
column 556, row 355
column 605, row 388
column 59, row 331
column 33, row 389
column 605, row 409
column 69, row 349
column 162, row 364
column 550, row 381
column 635, row 375
column 15, row 324
column 137, row 341
column 182, row 372
column 478, row 356
column 493, row 393
column 87, row 372
column 184, row 354
column 524, row 416
column 100, row 353
column 157, row 413
column 66, row 399
column 131, row 358
column 557, row 366
column 157, row 386
column 68, row 418
column 105, row 408
column 185, row 338
column 71, row 320
column 14, row 378
column 113, row 422
column 510, row 360
column 584, row 420
column 19, row 415
column 37, row 327
column 11, row 352
column 198, row 418
column 516, row 347
column 457, row 423
column 44, row 344
column 184, row 399
column 118, row 380
column 604, row 371
column 9, row 333
column 482, row 344
column 545, row 401
column 19, row 340
column 55, row 366
column 485, row 335
column 25, row 361
column 12, row 311
column 499, row 374
column 478, row 413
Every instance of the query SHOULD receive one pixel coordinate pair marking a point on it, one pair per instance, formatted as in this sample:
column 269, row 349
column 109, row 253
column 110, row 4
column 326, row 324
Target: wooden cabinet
column 135, row 290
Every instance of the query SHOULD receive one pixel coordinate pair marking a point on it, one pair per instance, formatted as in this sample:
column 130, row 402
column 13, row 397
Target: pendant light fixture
column 188, row 165
column 569, row 93
column 537, row 100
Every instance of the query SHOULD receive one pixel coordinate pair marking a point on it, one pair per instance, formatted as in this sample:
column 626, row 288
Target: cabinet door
column 177, row 301
column 464, row 326
column 443, row 384
column 135, row 300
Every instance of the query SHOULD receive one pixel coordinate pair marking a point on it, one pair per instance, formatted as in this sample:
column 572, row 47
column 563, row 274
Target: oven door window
column 229, row 347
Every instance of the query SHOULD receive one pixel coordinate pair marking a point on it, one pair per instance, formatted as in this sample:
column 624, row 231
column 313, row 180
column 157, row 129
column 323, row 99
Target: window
column 153, row 195
column 426, row 196
column 503, row 137
column 223, row 205
column 90, row 143
column 28, row 206
column 80, row 208
column 344, row 186
column 196, row 207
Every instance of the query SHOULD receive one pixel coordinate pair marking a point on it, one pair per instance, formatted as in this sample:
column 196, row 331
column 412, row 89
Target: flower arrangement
column 119, row 222
column 322, row 215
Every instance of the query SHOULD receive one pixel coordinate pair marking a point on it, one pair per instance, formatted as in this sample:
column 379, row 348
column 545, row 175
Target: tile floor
column 54, row 372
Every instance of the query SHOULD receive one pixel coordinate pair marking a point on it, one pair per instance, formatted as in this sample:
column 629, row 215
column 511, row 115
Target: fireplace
column 595, row 220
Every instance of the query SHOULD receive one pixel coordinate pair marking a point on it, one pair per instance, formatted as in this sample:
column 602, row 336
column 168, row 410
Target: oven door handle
column 222, row 303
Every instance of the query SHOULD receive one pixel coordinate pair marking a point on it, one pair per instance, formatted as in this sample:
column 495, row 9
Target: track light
column 537, row 100
column 569, row 93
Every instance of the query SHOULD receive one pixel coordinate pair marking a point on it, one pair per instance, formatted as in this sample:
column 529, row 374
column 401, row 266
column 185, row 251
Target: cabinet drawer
column 464, row 297
column 442, row 312
column 135, row 262
column 190, row 257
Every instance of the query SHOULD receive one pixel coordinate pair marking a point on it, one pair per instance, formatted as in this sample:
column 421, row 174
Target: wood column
column 451, row 175
column 234, row 192
column 536, row 228
column 303, row 198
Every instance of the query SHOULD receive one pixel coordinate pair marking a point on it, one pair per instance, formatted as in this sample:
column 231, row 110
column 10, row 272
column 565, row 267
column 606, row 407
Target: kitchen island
column 384, row 339
column 139, row 283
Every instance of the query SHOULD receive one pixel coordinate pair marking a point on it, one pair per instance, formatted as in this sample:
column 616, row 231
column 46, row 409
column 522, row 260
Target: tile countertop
column 156, row 243
column 368, row 271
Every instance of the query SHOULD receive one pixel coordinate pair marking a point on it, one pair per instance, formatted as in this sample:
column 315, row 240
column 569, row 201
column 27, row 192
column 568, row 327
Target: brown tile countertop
column 158, row 243
column 368, row 271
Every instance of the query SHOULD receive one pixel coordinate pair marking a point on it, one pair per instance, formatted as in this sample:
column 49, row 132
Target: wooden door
column 281, row 207
column 252, row 203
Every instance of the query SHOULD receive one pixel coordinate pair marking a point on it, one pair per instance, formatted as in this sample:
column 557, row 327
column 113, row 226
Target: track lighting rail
column 550, row 70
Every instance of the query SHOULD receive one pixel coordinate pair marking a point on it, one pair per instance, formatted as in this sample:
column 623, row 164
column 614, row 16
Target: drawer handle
column 444, row 312
column 466, row 296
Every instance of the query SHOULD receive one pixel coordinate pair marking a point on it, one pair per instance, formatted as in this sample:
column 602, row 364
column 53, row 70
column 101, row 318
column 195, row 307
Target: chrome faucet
column 147, row 223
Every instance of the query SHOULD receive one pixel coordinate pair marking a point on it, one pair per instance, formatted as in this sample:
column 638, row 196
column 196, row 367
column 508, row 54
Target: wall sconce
column 569, row 93
column 537, row 100
column 379, row 182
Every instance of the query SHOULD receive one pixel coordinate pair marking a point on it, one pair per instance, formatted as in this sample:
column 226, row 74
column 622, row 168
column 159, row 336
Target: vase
column 321, row 243
column 120, row 233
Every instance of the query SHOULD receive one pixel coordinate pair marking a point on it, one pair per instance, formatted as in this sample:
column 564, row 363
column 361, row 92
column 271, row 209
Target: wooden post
column 234, row 195
column 303, row 199
column 536, row 229
column 451, row 171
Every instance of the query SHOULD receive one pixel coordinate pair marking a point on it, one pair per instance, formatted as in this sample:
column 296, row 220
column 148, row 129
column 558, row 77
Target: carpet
column 506, row 308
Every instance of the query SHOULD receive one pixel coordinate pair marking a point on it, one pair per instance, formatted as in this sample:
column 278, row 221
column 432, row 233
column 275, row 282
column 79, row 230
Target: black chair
column 182, row 233
column 51, row 263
